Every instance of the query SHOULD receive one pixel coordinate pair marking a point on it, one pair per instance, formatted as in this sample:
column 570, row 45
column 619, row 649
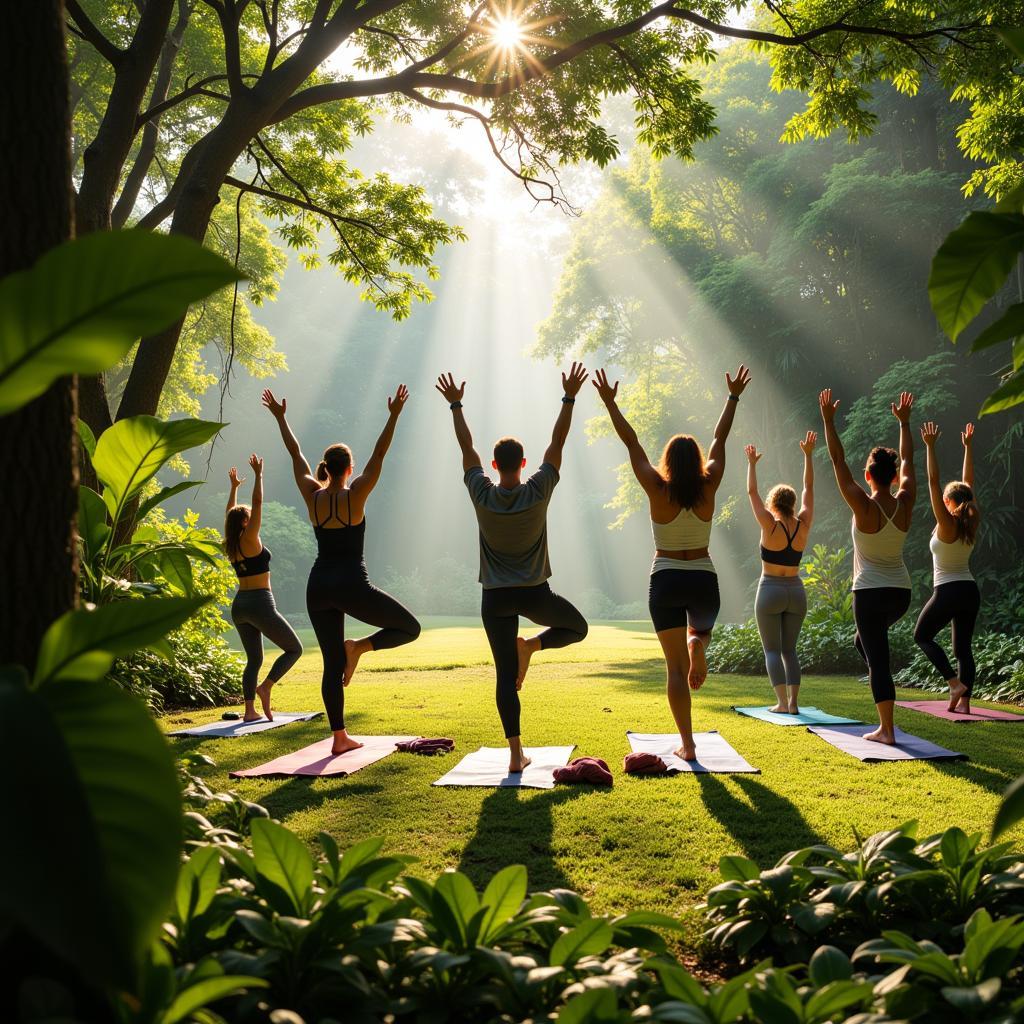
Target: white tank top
column 878, row 557
column 687, row 532
column 951, row 561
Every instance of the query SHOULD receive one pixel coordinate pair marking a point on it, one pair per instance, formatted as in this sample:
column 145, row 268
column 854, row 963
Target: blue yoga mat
column 807, row 716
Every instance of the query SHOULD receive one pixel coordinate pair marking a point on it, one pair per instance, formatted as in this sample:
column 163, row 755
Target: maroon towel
column 423, row 745
column 639, row 763
column 585, row 769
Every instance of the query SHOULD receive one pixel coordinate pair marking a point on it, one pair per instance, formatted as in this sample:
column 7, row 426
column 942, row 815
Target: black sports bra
column 341, row 543
column 255, row 566
column 788, row 555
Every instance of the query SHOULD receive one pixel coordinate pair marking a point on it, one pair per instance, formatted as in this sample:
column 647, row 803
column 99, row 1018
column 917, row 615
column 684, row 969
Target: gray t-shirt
column 513, row 527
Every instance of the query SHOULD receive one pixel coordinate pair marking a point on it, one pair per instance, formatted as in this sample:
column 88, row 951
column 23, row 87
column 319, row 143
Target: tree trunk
column 37, row 443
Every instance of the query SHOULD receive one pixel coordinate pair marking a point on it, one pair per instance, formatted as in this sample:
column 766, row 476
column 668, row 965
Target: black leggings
column 874, row 611
column 957, row 602
column 334, row 591
column 255, row 616
column 500, row 609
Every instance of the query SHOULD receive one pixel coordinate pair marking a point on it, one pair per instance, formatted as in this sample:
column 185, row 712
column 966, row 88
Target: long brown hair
column 235, row 521
column 337, row 459
column 684, row 471
column 964, row 511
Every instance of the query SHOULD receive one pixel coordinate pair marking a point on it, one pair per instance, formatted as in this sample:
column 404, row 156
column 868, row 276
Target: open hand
column 257, row 464
column 827, row 406
column 930, row 432
column 396, row 404
column 446, row 385
column 236, row 480
column 901, row 409
column 276, row 408
column 808, row 443
column 967, row 435
column 572, row 383
column 737, row 384
column 753, row 455
column 606, row 392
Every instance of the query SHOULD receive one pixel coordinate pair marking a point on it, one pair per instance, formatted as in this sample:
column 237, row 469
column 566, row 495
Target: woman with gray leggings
column 781, row 604
column 253, row 610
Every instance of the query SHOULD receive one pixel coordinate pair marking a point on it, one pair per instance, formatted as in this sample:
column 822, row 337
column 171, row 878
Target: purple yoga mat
column 317, row 759
column 938, row 709
column 850, row 739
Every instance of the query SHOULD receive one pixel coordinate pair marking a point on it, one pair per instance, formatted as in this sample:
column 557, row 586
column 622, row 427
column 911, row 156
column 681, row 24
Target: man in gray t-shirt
column 514, row 565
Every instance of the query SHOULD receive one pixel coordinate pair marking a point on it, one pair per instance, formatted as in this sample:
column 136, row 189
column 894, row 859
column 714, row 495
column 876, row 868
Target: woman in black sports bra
column 781, row 604
column 338, row 582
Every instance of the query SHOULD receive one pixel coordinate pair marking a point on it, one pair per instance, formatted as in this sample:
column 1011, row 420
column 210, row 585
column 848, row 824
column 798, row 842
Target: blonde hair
column 964, row 511
column 782, row 499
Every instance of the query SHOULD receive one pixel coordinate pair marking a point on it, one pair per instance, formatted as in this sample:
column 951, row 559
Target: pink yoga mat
column 316, row 759
column 938, row 708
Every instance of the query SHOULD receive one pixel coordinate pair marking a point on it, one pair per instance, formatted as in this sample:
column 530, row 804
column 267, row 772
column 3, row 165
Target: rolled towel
column 585, row 769
column 639, row 763
column 425, row 745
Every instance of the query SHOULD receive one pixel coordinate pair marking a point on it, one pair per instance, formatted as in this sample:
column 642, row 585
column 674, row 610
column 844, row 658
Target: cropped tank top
column 255, row 566
column 788, row 555
column 341, row 543
column 878, row 557
column 687, row 532
column 951, row 561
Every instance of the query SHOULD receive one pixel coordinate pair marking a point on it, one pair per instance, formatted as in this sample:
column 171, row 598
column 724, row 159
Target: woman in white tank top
column 881, row 519
column 955, row 597
column 684, row 598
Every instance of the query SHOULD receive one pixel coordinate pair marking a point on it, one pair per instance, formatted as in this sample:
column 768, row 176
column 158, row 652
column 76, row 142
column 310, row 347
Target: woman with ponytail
column 338, row 582
column 955, row 598
column 253, row 610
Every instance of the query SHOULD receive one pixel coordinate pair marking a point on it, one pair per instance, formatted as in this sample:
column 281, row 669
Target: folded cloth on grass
column 714, row 754
column 423, row 745
column 641, row 763
column 585, row 769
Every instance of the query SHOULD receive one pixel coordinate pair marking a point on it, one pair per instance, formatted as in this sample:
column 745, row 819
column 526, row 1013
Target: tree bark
column 37, row 443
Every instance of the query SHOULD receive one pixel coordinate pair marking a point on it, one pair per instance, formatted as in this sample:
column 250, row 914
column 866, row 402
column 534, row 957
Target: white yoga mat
column 714, row 753
column 488, row 766
column 229, row 730
column 850, row 738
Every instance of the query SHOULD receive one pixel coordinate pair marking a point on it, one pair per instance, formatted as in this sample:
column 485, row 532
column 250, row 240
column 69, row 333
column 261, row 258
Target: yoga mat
column 938, row 708
column 488, row 766
column 714, row 754
column 807, row 716
column 317, row 759
column 850, row 739
column 229, row 730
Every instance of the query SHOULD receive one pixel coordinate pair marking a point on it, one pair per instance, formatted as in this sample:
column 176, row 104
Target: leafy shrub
column 1000, row 665
column 827, row 580
column 1002, row 606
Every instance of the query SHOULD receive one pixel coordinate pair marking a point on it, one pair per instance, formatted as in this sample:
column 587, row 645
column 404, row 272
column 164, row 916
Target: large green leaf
column 85, row 303
column 167, row 492
column 587, row 939
column 282, row 858
column 83, row 643
column 207, row 991
column 1006, row 396
column 1009, row 325
column 93, row 869
column 971, row 266
column 503, row 896
column 92, row 522
column 133, row 450
column 1011, row 810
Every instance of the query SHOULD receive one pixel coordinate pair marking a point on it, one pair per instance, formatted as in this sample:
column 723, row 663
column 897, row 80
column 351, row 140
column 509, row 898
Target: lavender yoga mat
column 939, row 709
column 850, row 739
column 230, row 730
column 317, row 759
column 714, row 753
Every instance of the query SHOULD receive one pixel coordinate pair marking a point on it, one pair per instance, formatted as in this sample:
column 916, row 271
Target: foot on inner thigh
column 881, row 735
column 526, row 650
column 343, row 743
column 956, row 693
column 354, row 650
column 263, row 692
column 698, row 662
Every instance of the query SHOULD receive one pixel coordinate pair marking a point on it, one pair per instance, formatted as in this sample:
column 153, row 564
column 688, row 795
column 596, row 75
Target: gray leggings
column 780, row 607
column 255, row 616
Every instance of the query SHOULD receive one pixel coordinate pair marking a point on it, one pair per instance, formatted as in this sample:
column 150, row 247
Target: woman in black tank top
column 338, row 582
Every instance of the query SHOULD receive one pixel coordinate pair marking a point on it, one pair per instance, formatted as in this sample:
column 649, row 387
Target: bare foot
column 881, row 736
column 353, row 652
column 963, row 707
column 780, row 709
column 525, row 650
column 263, row 692
column 343, row 744
column 251, row 714
column 516, row 766
column 698, row 664
column 793, row 709
column 956, row 693
column 688, row 751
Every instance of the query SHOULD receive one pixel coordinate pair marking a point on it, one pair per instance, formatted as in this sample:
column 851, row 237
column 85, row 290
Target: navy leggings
column 957, row 602
column 500, row 609
column 874, row 611
column 334, row 591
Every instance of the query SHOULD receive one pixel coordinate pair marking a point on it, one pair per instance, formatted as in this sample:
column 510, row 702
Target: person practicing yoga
column 955, row 598
column 781, row 604
column 338, row 582
column 514, row 564
column 881, row 519
column 684, row 597
column 253, row 610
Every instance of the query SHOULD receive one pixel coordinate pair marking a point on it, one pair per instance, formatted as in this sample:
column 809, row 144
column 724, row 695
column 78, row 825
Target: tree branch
column 196, row 89
column 93, row 35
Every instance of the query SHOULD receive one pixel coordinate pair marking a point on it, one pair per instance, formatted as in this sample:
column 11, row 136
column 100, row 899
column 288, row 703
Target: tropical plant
column 827, row 579
column 999, row 659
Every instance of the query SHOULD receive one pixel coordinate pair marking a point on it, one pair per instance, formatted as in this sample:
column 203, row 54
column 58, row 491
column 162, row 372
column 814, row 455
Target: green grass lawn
column 652, row 843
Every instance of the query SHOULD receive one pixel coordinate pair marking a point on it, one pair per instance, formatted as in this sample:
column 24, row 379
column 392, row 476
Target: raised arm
column 967, row 440
column 571, row 385
column 716, row 454
column 252, row 528
column 453, row 396
column 764, row 518
column 367, row 480
column 853, row 494
column 908, row 475
column 943, row 520
column 304, row 479
column 236, row 481
column 647, row 476
column 806, row 514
